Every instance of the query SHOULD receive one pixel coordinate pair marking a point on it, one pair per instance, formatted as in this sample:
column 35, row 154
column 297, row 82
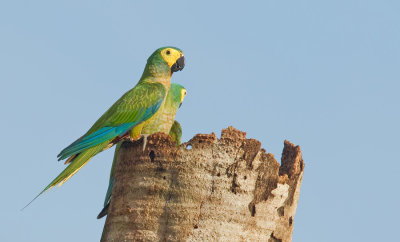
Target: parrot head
column 178, row 92
column 167, row 58
column 183, row 95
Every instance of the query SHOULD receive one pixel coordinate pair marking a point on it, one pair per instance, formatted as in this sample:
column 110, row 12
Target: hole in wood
column 188, row 147
column 274, row 239
column 253, row 210
column 235, row 185
column 290, row 221
column 152, row 155
column 281, row 211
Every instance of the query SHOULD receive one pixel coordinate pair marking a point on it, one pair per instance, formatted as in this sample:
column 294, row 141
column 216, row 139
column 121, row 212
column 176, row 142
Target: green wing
column 133, row 108
column 176, row 132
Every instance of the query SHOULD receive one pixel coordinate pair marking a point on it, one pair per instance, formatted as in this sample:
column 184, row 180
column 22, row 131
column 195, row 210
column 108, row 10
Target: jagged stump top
column 207, row 189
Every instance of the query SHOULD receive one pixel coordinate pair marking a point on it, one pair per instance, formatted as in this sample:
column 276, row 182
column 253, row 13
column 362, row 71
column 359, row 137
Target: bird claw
column 144, row 140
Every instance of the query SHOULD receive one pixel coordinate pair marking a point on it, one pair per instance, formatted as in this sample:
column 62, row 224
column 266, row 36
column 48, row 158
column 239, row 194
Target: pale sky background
column 322, row 74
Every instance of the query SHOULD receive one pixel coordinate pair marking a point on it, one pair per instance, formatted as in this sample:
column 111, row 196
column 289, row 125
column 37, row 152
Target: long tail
column 77, row 163
column 107, row 199
column 104, row 211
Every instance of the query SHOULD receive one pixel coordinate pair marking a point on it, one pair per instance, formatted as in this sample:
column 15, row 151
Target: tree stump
column 207, row 189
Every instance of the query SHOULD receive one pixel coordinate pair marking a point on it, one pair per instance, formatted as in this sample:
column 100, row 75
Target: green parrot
column 126, row 117
column 176, row 132
column 164, row 122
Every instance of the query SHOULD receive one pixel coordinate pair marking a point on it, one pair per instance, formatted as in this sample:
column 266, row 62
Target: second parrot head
column 168, row 56
column 178, row 93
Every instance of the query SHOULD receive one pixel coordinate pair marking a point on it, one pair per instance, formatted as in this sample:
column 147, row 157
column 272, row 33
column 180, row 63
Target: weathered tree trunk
column 208, row 189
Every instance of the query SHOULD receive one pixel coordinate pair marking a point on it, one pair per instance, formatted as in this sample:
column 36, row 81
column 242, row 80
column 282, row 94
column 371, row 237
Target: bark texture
column 207, row 189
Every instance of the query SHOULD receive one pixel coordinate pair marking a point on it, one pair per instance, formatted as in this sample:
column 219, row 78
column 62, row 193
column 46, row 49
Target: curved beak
column 178, row 65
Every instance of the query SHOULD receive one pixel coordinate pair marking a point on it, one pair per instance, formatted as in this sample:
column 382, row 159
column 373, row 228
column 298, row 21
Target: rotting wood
column 208, row 189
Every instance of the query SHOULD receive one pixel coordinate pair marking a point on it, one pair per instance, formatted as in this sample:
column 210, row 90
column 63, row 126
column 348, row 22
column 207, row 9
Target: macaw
column 164, row 122
column 126, row 117
column 176, row 132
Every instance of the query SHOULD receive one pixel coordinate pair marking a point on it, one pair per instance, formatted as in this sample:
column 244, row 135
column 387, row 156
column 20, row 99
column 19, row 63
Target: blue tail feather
column 96, row 138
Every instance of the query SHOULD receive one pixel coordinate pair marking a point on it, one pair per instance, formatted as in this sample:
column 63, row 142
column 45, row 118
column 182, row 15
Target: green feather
column 133, row 108
column 176, row 133
column 164, row 122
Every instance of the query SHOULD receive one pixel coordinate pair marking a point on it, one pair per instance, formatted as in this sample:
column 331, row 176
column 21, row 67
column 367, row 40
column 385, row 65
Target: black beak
column 180, row 105
column 179, row 64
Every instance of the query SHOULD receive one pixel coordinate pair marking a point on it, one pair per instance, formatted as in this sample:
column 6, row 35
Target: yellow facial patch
column 183, row 94
column 170, row 55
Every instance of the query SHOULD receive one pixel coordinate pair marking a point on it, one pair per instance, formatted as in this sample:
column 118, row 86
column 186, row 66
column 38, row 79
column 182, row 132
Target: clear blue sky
column 322, row 74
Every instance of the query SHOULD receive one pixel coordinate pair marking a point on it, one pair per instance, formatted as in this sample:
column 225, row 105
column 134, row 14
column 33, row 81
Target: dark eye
column 168, row 52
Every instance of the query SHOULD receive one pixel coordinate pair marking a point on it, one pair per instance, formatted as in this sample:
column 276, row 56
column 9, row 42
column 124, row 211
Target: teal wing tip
column 61, row 155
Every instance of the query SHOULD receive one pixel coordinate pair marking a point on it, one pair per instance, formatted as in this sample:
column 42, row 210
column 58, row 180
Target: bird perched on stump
column 127, row 116
column 163, row 122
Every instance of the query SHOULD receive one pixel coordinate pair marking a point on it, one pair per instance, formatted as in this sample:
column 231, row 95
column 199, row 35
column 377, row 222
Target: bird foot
column 144, row 140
